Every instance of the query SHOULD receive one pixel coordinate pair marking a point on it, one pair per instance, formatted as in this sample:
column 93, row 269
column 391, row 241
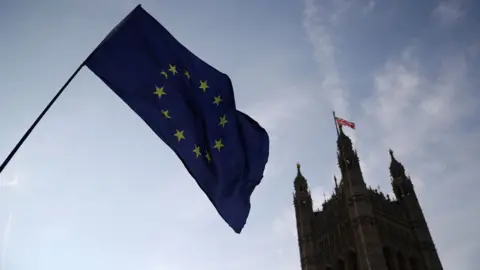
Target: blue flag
column 190, row 106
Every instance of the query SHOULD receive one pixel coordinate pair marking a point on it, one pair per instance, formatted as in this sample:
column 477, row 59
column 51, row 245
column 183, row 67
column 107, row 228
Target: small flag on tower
column 343, row 122
column 190, row 106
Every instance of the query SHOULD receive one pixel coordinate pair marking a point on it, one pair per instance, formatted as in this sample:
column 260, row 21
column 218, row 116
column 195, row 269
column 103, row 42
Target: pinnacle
column 299, row 173
column 396, row 168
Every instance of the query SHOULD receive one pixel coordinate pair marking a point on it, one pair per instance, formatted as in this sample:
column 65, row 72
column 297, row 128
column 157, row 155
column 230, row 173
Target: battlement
column 385, row 206
column 334, row 212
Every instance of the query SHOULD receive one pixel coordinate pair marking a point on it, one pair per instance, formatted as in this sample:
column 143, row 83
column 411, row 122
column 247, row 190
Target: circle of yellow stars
column 179, row 134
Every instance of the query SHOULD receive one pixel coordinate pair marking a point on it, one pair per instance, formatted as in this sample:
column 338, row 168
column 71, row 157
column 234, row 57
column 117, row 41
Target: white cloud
column 277, row 113
column 369, row 7
column 420, row 117
column 412, row 110
column 448, row 12
column 324, row 51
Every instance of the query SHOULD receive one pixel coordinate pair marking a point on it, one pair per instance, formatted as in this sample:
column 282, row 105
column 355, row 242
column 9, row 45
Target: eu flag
column 190, row 106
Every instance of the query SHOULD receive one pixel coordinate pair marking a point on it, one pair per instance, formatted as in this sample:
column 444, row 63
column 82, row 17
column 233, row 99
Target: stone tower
column 360, row 228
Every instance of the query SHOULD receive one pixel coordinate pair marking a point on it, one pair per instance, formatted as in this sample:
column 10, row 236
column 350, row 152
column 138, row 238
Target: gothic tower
column 302, row 200
column 360, row 228
column 360, row 210
column 405, row 194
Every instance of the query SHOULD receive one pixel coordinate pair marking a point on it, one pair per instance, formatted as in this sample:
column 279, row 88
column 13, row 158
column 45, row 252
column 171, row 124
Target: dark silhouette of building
column 360, row 228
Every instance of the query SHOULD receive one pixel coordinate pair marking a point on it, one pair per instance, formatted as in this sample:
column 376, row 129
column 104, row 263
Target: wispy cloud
column 423, row 118
column 315, row 23
column 369, row 7
column 413, row 110
column 277, row 113
column 448, row 12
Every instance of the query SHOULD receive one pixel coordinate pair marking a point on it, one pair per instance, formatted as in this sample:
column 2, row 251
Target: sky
column 94, row 188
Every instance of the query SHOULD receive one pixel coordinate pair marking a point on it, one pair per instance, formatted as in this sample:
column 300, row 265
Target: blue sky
column 94, row 188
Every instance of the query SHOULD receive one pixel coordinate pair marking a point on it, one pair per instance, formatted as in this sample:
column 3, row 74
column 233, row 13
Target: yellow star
column 179, row 135
column 173, row 69
column 223, row 121
column 165, row 113
column 159, row 91
column 196, row 150
column 164, row 74
column 187, row 74
column 218, row 144
column 217, row 100
column 207, row 156
column 203, row 86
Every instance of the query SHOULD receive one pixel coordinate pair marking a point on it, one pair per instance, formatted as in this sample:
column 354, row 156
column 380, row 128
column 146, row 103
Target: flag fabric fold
column 343, row 122
column 188, row 104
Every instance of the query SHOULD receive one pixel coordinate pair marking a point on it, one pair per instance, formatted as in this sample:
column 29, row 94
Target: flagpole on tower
column 335, row 122
column 348, row 178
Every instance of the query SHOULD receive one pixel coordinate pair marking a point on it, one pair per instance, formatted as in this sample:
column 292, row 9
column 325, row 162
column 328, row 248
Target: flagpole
column 25, row 136
column 335, row 121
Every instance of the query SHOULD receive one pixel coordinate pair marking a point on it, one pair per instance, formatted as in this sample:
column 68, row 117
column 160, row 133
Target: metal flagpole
column 25, row 136
column 335, row 121
column 362, row 237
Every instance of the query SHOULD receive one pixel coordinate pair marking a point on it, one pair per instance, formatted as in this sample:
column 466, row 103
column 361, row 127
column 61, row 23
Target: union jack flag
column 343, row 122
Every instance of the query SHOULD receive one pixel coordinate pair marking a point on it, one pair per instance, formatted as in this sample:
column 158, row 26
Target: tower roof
column 299, row 173
column 300, row 182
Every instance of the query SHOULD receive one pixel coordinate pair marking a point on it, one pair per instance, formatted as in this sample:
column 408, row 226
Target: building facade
column 360, row 228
